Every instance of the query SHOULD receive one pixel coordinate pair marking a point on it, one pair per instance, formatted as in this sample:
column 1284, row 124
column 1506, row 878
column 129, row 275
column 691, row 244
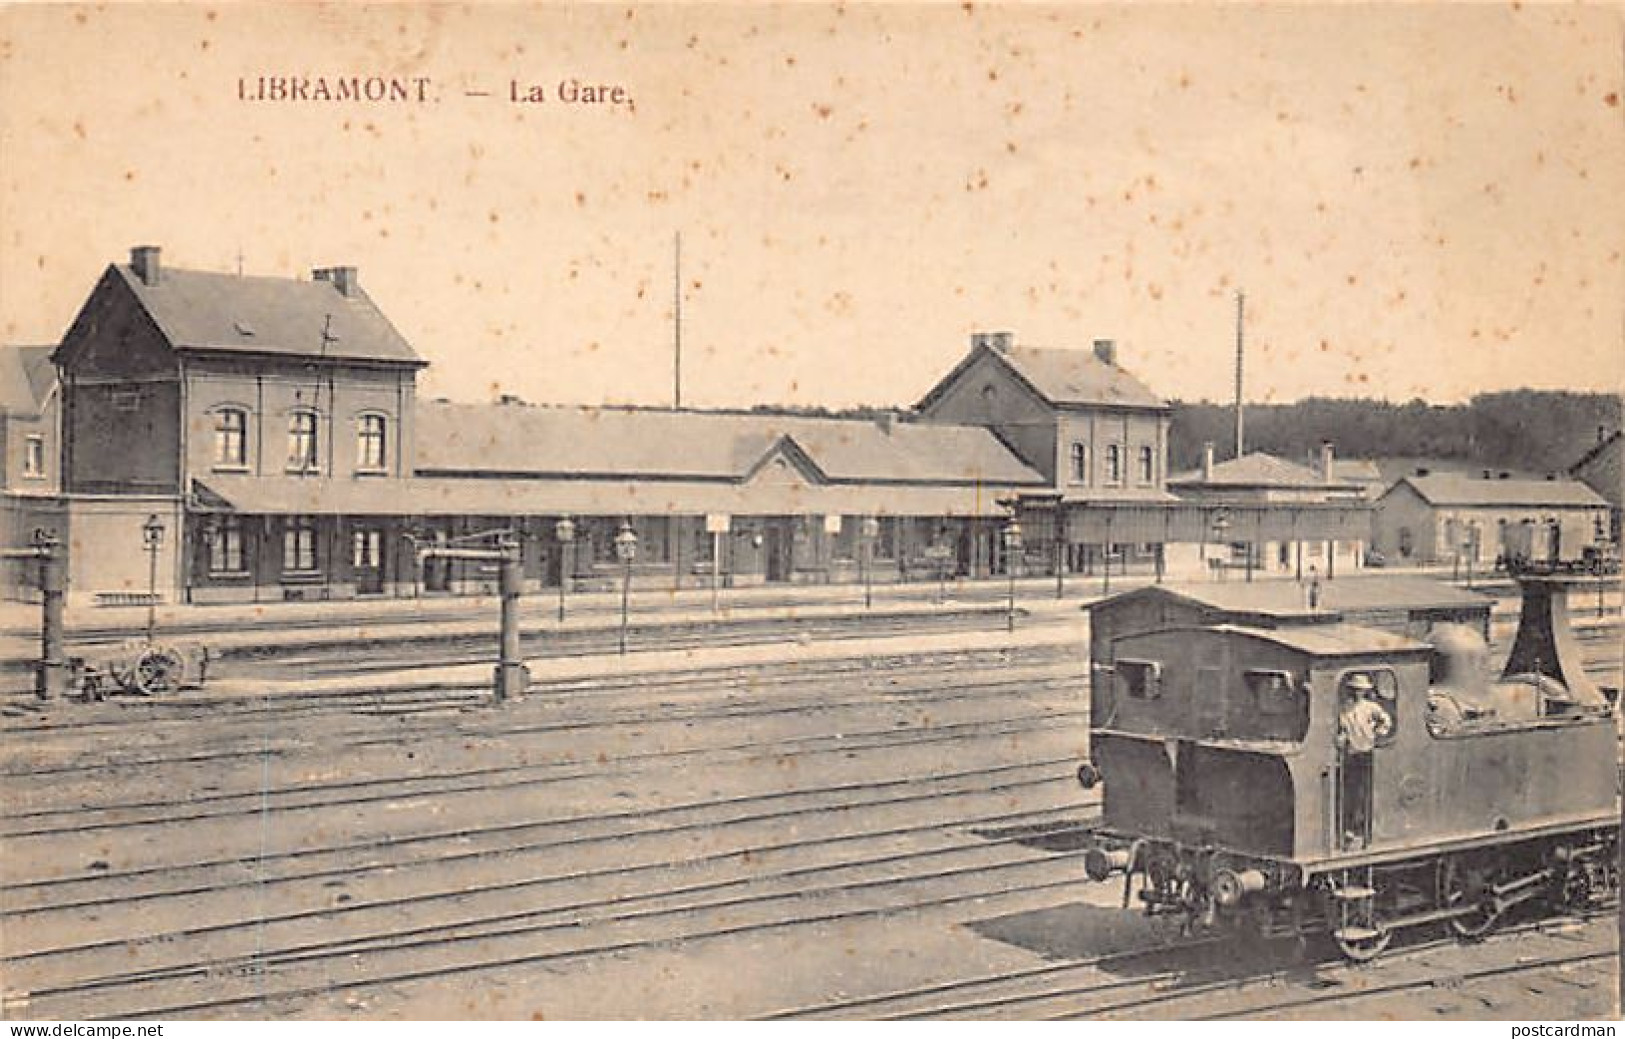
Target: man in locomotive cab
column 1363, row 720
column 1362, row 724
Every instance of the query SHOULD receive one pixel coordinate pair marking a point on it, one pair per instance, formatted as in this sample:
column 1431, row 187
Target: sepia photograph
column 810, row 511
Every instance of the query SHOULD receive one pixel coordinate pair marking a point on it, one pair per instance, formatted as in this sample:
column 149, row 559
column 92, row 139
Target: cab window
column 1274, row 692
column 1139, row 679
column 1377, row 685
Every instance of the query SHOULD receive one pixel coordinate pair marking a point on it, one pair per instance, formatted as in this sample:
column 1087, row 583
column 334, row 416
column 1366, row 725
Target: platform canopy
column 445, row 496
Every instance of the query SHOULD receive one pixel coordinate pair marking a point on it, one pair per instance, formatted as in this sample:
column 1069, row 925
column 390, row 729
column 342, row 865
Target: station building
column 1279, row 514
column 273, row 428
column 1454, row 517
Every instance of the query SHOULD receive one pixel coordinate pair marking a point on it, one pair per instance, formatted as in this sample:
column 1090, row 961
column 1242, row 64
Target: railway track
column 1134, row 982
column 900, row 838
column 914, row 682
column 955, row 859
column 515, row 777
column 248, row 708
column 545, row 643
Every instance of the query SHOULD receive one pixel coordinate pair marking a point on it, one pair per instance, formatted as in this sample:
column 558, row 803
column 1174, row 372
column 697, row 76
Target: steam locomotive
column 1287, row 772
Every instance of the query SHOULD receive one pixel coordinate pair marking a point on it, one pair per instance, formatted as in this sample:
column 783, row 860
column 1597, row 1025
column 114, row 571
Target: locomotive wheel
column 1366, row 949
column 1462, row 884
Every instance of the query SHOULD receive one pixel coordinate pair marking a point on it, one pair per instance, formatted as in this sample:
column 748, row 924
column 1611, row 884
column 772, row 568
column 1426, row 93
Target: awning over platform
column 1175, row 521
column 447, row 496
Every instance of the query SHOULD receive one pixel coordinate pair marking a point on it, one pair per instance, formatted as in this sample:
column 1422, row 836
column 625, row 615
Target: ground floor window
column 298, row 544
column 843, row 544
column 366, row 548
column 226, row 546
column 886, row 542
column 702, row 544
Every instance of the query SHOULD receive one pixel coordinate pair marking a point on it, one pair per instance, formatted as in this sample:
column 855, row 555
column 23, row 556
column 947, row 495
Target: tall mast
column 1241, row 304
column 677, row 324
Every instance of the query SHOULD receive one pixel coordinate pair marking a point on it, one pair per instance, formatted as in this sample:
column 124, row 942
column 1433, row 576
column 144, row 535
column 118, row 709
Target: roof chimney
column 343, row 278
column 1000, row 341
column 144, row 262
column 1327, row 459
column 1602, row 433
column 1106, row 350
column 1207, row 462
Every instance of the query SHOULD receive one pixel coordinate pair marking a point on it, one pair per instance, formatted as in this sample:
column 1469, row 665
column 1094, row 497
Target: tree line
column 1539, row 430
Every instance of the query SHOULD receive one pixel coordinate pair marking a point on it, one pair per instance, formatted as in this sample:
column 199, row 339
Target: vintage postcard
column 570, row 511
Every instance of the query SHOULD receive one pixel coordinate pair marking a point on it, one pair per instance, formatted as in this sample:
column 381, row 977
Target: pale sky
column 1419, row 201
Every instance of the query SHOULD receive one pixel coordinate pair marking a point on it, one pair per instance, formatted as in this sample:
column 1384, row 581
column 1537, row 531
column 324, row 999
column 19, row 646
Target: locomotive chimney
column 1207, row 462
column 144, row 262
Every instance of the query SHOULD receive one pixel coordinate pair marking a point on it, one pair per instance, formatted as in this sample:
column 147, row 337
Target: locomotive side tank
column 1328, row 774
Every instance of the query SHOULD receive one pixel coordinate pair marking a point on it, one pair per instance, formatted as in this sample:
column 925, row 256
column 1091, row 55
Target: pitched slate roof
column 204, row 310
column 1255, row 469
column 1060, row 377
column 1077, row 377
column 1356, row 470
column 1597, row 450
column 662, row 444
column 1459, row 489
column 26, row 378
column 1394, row 468
column 1600, row 467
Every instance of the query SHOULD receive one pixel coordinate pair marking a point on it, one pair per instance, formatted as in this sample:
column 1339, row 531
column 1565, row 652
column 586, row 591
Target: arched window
column 302, row 444
column 1080, row 462
column 231, row 437
column 371, row 440
column 1114, row 463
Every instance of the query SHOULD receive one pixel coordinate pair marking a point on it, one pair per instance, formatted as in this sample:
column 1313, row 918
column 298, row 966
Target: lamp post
column 152, row 538
column 565, row 533
column 626, row 550
column 1221, row 527
column 868, row 534
column 1012, row 549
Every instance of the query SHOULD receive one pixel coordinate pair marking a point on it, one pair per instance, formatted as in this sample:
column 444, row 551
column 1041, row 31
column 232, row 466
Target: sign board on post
column 717, row 522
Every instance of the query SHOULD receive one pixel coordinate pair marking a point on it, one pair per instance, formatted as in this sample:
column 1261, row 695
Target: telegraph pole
column 1241, row 304
column 677, row 323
